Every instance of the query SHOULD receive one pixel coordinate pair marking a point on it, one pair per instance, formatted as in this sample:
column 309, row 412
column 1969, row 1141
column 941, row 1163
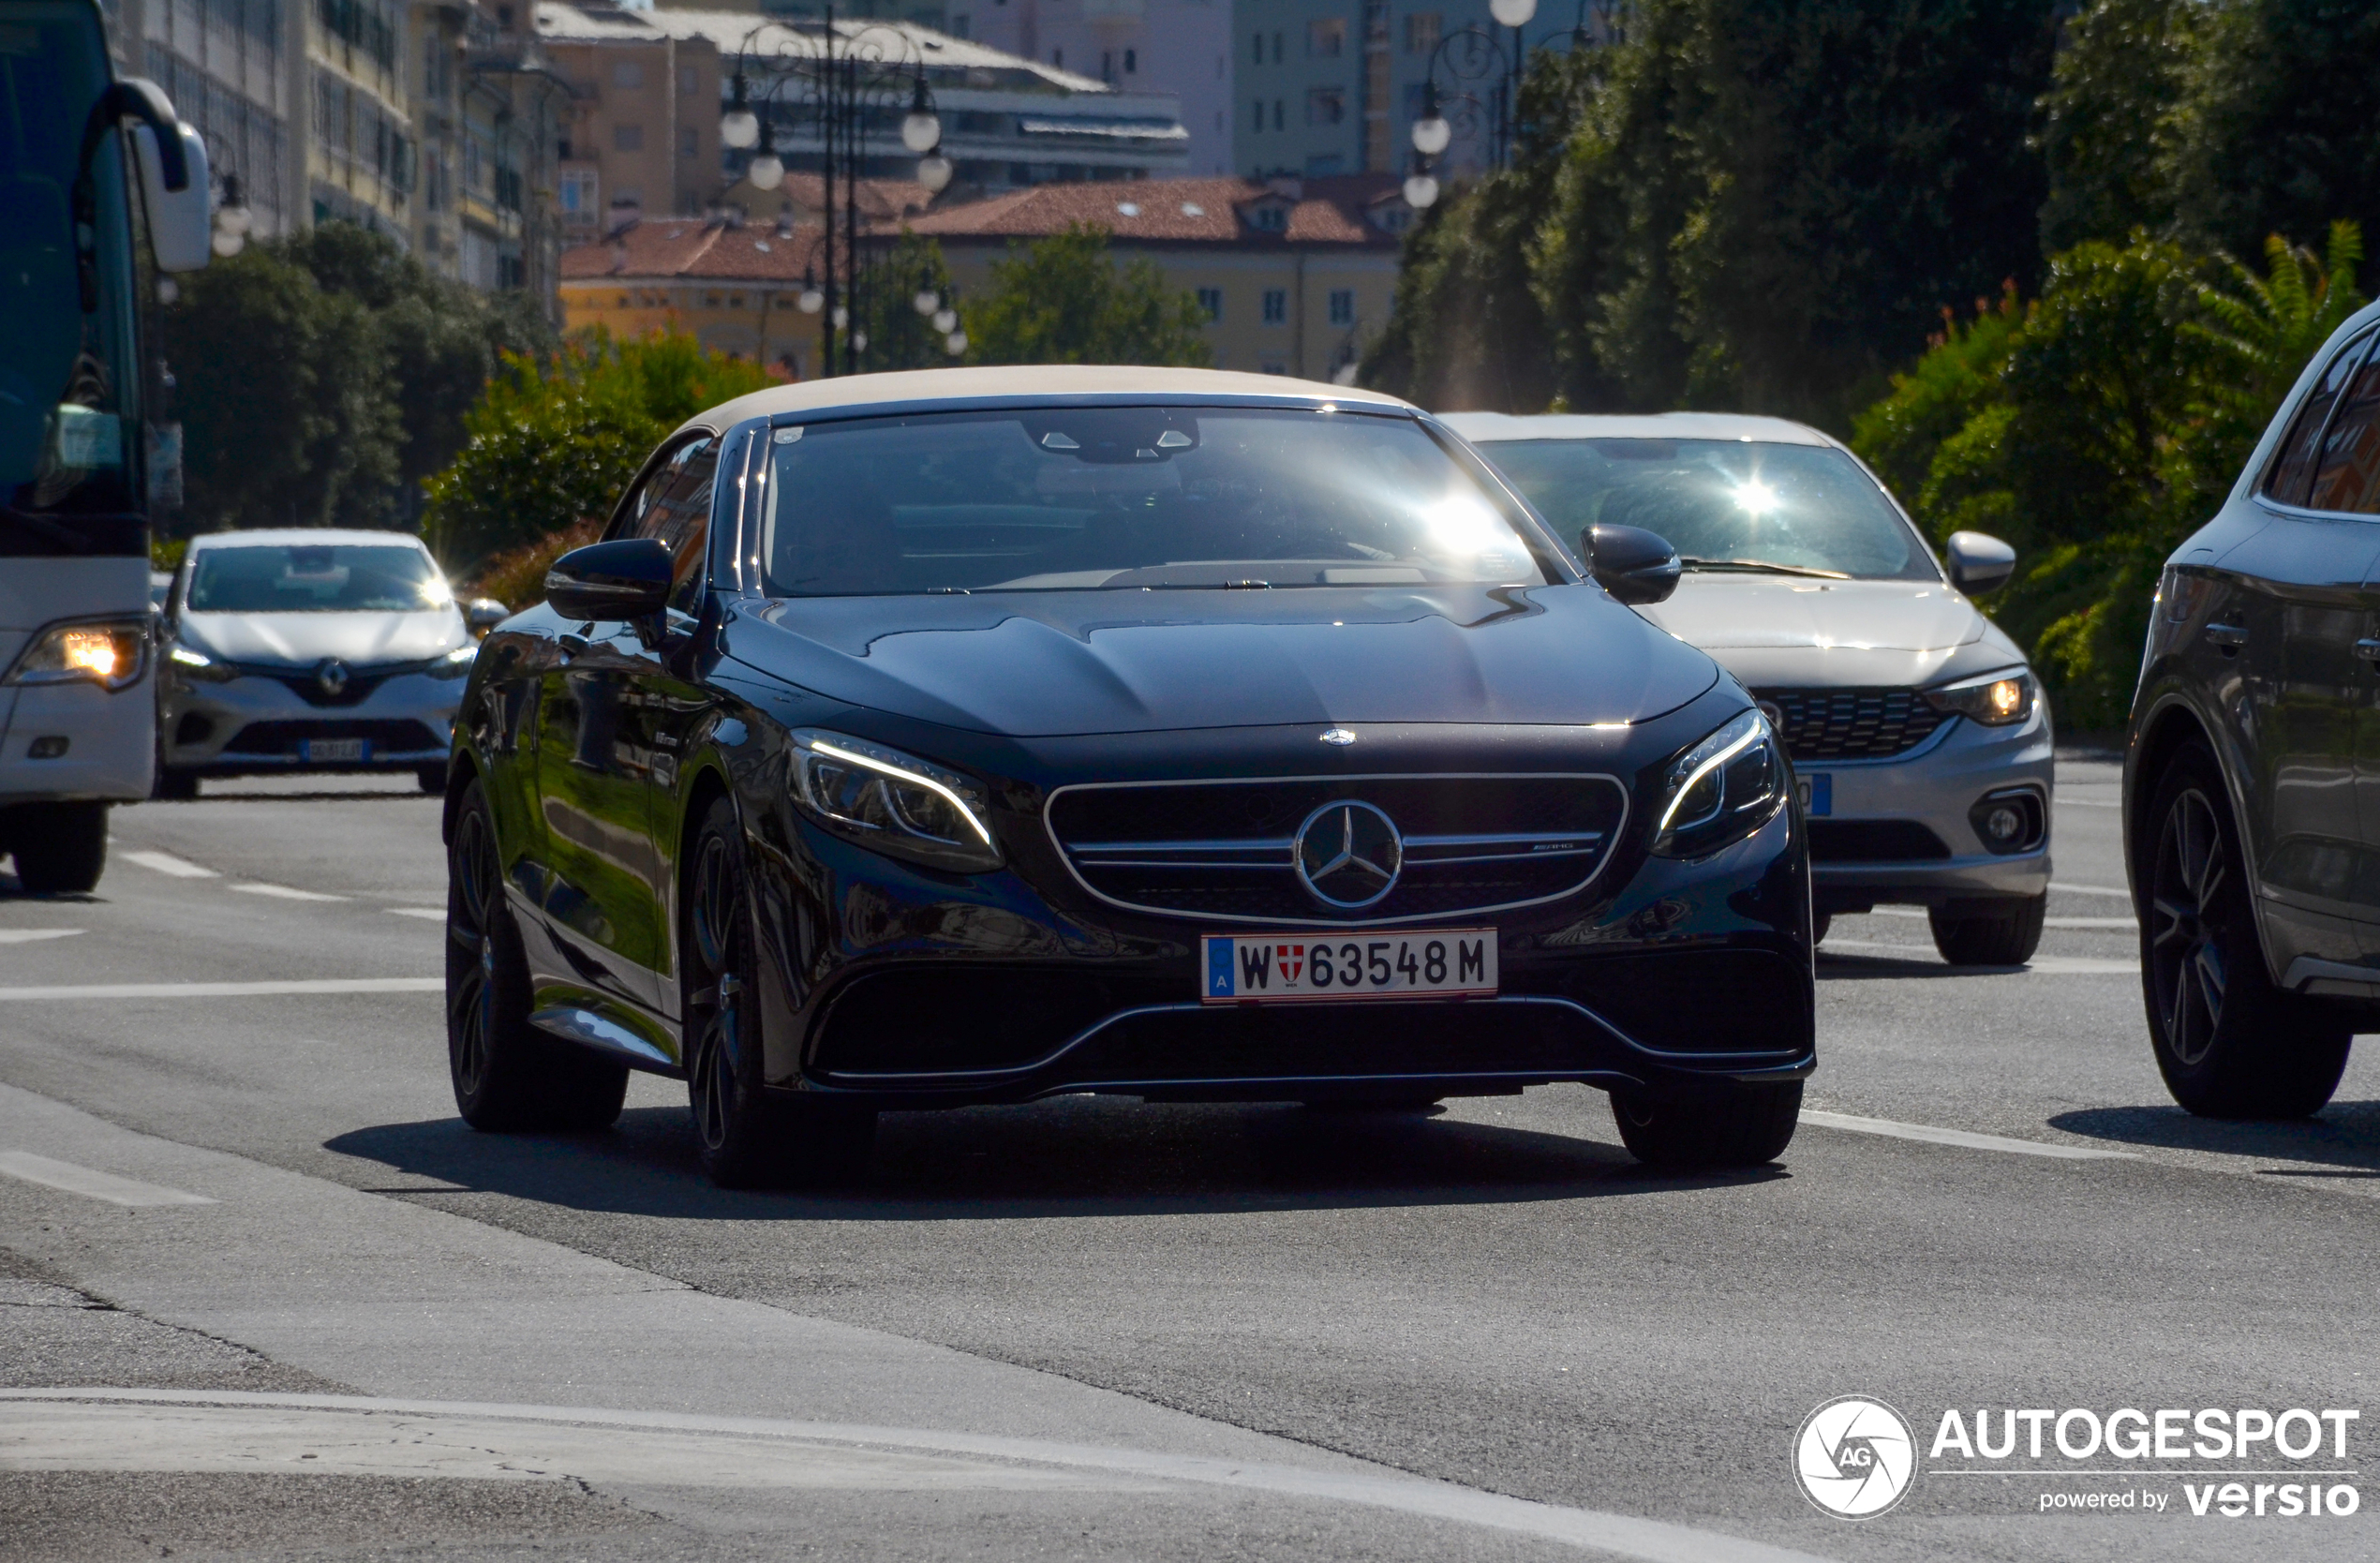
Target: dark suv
column 2252, row 783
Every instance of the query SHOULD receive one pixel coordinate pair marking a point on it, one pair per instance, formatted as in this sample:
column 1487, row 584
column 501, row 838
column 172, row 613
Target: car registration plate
column 319, row 751
column 1818, row 794
column 1425, row 963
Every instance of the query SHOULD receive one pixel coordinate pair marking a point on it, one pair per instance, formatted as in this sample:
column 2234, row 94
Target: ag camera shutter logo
column 1855, row 1457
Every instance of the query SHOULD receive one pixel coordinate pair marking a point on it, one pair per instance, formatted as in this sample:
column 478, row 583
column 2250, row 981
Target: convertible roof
column 303, row 536
column 912, row 388
column 1482, row 427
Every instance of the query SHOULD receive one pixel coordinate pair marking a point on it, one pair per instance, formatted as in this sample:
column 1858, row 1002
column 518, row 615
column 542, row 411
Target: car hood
column 1773, row 631
column 1037, row 665
column 303, row 639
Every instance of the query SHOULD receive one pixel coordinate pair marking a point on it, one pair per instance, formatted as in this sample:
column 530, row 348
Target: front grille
column 1852, row 725
column 1873, row 842
column 357, row 689
column 1227, row 849
column 282, row 737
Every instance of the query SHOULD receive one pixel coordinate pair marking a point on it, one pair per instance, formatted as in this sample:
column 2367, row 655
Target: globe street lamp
column 1471, row 55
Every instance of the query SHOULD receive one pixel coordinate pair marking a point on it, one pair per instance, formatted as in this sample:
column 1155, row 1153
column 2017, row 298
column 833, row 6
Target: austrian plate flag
column 1421, row 963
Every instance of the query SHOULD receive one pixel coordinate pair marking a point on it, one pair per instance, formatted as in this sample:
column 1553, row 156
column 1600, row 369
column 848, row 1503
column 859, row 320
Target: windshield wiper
column 1763, row 567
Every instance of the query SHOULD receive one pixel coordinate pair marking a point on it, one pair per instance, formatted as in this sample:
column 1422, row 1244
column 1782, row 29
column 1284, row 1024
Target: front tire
column 745, row 1135
column 2229, row 1042
column 1723, row 1125
column 508, row 1075
column 61, row 848
column 2003, row 932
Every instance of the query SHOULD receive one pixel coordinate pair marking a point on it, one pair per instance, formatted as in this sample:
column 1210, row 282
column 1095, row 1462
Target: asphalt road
column 1094, row 1328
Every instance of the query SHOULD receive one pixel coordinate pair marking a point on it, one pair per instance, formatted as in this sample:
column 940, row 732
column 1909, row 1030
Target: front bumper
column 1860, row 850
column 94, row 742
column 257, row 723
column 1661, row 978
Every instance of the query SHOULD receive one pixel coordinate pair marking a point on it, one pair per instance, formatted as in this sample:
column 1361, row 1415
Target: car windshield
column 1121, row 498
column 1723, row 504
column 307, row 577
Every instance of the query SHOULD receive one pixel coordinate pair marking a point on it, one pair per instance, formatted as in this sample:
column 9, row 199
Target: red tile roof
column 694, row 248
column 1176, row 211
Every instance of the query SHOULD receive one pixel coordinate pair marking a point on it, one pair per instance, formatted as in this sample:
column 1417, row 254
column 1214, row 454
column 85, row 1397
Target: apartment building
column 1296, row 276
column 648, row 87
column 1181, row 47
column 432, row 123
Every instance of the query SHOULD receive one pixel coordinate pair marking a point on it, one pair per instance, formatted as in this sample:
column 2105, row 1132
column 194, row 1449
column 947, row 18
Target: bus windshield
column 66, row 409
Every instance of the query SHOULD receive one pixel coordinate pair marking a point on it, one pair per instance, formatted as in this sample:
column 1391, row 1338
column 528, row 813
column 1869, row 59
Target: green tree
column 553, row 442
column 283, row 398
column 2119, row 76
column 1065, row 300
column 2275, row 127
column 899, row 337
column 2100, row 425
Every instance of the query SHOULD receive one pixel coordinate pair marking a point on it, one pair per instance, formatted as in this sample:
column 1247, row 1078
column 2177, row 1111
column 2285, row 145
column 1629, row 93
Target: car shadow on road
column 1081, row 1156
column 2345, row 1134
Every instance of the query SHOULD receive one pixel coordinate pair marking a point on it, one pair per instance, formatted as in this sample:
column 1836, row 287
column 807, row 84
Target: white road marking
column 34, row 935
column 2087, row 803
column 224, row 989
column 284, row 892
column 2090, row 890
column 436, row 913
column 1652, row 1540
column 96, row 1185
column 1931, row 1135
column 165, row 862
column 2046, row 922
column 2041, row 965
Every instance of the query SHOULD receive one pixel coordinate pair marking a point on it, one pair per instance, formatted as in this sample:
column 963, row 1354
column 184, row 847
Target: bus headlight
column 112, row 653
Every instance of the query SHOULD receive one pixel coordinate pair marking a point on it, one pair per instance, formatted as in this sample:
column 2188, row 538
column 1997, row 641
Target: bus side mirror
column 180, row 229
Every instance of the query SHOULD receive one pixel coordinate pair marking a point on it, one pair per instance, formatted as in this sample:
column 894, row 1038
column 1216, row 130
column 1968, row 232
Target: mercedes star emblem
column 1349, row 854
column 329, row 675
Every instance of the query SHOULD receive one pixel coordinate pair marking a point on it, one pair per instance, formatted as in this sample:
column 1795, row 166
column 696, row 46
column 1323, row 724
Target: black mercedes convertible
column 919, row 741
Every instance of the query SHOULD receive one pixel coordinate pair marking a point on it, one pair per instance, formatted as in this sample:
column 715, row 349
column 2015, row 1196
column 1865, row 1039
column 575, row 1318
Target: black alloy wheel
column 507, row 1074
column 1996, row 932
column 2230, row 1043
column 1726, row 1125
column 745, row 1135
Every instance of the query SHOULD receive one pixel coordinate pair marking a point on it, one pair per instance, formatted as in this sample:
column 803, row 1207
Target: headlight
column 1721, row 790
column 895, row 803
column 455, row 663
column 1996, row 700
column 192, row 664
column 109, row 652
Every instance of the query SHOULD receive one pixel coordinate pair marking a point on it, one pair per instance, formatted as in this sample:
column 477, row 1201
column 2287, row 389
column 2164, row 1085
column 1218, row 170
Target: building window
column 627, row 73
column 962, row 26
column 1280, row 114
column 578, row 192
column 686, row 81
column 1107, row 65
column 1343, row 306
column 1423, row 30
column 1259, row 115
column 1132, row 61
column 689, row 142
column 1211, row 300
column 1276, row 305
column 1326, row 105
column 1275, row 367
column 1058, row 58
column 1326, row 39
column 628, row 137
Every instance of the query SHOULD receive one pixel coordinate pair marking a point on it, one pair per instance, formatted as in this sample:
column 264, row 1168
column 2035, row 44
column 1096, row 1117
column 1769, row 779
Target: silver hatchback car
column 308, row 651
column 1920, row 740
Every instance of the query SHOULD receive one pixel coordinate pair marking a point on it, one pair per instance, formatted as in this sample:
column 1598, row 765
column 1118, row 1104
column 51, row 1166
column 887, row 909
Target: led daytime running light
column 834, row 751
column 1685, row 788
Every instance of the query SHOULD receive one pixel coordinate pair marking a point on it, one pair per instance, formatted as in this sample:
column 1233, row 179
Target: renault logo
column 1349, row 854
column 330, row 675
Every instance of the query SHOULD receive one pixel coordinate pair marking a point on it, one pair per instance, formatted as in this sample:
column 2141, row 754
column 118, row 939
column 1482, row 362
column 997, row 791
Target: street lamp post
column 841, row 85
column 1473, row 54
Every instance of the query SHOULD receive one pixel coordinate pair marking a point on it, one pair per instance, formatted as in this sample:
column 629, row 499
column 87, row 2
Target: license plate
column 1818, row 794
column 332, row 751
column 1429, row 963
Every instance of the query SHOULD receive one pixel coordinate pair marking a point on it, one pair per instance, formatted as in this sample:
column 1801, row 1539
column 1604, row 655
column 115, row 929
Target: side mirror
column 181, row 232
column 1638, row 567
column 1979, row 562
column 626, row 580
column 483, row 614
